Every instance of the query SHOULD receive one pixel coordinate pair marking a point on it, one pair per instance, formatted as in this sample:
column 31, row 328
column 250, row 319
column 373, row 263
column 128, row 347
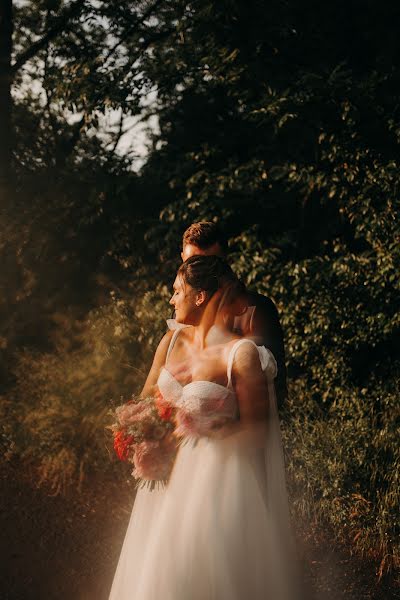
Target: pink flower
column 153, row 460
column 133, row 412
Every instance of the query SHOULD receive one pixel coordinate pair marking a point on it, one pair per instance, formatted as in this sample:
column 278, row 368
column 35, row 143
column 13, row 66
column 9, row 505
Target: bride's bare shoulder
column 232, row 341
column 159, row 360
column 228, row 345
column 162, row 348
column 244, row 352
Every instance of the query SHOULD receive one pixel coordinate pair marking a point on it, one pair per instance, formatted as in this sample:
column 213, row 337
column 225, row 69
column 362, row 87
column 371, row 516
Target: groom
column 261, row 320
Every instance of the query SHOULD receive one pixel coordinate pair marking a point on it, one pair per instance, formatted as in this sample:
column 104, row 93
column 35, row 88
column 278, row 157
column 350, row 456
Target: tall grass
column 56, row 414
column 344, row 468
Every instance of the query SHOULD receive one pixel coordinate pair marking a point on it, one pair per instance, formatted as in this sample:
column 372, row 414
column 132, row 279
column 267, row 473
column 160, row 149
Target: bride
column 220, row 529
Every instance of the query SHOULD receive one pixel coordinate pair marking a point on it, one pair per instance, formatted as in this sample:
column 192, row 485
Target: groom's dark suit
column 261, row 322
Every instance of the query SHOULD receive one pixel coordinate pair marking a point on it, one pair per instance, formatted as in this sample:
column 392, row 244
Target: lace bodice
column 206, row 401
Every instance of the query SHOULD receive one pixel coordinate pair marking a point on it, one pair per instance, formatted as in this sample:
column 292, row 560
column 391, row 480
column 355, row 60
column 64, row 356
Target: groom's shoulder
column 261, row 302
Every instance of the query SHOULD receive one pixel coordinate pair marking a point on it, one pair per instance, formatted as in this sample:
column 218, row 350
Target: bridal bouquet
column 142, row 434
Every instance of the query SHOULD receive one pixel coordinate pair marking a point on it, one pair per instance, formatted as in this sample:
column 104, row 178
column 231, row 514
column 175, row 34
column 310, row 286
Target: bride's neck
column 209, row 326
column 209, row 334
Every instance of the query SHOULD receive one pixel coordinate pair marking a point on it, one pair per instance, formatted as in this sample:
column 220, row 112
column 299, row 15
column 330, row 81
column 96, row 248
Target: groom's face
column 193, row 250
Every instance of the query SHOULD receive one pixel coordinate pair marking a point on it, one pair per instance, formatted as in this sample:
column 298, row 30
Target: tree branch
column 120, row 132
column 58, row 26
column 6, row 129
column 130, row 30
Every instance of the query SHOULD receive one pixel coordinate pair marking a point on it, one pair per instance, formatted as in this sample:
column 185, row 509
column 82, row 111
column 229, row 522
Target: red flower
column 122, row 444
column 163, row 407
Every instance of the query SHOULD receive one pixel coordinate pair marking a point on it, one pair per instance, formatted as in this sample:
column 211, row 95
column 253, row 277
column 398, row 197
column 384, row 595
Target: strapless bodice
column 198, row 398
column 203, row 405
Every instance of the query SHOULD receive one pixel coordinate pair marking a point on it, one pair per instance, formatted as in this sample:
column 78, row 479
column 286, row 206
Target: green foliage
column 341, row 323
column 343, row 465
column 60, row 427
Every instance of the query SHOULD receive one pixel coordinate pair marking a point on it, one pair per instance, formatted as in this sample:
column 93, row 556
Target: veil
column 266, row 440
column 277, row 495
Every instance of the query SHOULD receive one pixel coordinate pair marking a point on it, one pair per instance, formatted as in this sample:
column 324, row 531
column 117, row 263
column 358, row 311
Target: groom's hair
column 205, row 234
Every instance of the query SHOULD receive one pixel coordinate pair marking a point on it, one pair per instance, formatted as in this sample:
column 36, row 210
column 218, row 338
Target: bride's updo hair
column 211, row 273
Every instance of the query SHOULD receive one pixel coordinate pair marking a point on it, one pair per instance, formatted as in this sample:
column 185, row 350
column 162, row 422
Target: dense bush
column 341, row 323
column 344, row 466
column 60, row 402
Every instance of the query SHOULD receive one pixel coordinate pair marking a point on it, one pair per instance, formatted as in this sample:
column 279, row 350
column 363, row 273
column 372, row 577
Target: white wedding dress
column 220, row 529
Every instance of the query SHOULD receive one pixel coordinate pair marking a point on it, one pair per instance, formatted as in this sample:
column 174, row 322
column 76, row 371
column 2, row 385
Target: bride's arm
column 149, row 388
column 251, row 388
column 250, row 384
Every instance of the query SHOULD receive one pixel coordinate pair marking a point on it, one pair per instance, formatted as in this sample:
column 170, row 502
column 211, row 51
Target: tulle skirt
column 211, row 534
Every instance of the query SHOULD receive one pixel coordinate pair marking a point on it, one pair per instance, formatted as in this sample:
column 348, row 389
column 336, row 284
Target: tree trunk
column 6, row 31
